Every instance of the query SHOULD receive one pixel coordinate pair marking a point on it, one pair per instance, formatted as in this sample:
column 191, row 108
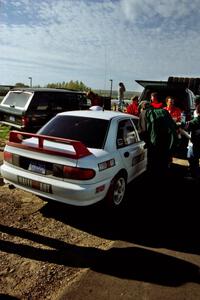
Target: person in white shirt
column 121, row 91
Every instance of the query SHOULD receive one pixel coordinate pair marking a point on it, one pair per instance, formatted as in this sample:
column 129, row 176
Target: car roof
column 146, row 83
column 150, row 84
column 29, row 89
column 105, row 114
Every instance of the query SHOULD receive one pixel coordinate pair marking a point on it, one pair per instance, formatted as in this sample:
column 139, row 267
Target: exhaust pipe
column 11, row 186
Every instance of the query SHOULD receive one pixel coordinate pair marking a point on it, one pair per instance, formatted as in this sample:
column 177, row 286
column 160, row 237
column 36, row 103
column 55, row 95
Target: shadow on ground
column 7, row 297
column 130, row 262
column 157, row 214
column 152, row 217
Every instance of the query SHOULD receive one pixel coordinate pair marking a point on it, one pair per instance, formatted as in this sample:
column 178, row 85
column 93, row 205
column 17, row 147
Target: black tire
column 117, row 191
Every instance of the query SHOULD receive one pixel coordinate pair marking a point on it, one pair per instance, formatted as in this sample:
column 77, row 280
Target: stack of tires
column 192, row 83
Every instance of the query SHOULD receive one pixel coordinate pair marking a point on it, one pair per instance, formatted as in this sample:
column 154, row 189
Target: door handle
column 126, row 154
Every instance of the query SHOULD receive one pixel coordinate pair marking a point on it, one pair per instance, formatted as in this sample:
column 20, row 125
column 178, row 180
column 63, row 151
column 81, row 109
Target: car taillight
column 11, row 158
column 78, row 173
column 73, row 172
column 25, row 121
column 8, row 157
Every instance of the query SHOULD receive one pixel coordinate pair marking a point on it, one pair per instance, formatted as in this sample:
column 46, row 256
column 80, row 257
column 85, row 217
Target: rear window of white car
column 90, row 131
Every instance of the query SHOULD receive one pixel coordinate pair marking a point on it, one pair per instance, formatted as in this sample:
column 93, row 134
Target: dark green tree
column 71, row 85
column 20, row 84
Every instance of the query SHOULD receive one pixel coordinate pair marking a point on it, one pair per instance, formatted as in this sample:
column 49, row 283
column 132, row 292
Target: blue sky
column 95, row 40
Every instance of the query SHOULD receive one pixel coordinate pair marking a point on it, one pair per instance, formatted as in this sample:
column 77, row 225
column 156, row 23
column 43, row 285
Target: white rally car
column 78, row 157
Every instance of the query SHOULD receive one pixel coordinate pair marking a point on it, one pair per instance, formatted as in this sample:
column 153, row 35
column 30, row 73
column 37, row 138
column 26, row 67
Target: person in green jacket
column 158, row 130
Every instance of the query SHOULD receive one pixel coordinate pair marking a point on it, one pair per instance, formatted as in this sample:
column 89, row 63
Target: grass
column 4, row 134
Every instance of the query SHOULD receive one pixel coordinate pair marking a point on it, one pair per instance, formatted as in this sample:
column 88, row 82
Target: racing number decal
column 137, row 159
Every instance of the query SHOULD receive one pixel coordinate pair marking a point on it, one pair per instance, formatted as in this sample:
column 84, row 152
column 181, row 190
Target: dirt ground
column 34, row 261
column 40, row 244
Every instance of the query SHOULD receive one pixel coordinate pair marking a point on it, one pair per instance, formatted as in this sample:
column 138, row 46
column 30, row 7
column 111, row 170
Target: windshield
column 91, row 132
column 17, row 99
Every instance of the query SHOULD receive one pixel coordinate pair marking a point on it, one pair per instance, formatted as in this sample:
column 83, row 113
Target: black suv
column 183, row 96
column 182, row 90
column 28, row 109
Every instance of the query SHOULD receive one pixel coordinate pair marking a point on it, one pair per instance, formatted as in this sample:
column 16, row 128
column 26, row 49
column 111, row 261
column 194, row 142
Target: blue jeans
column 121, row 105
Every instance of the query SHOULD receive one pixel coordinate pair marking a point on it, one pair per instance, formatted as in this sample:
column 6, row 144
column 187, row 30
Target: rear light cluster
column 8, row 157
column 56, row 170
column 73, row 172
column 11, row 158
column 25, row 121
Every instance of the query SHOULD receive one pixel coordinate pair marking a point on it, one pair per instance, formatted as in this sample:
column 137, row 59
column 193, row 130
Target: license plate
column 12, row 119
column 44, row 187
column 37, row 168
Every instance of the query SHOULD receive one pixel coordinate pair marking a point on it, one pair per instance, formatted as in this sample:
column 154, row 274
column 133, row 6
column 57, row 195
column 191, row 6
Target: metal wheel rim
column 119, row 191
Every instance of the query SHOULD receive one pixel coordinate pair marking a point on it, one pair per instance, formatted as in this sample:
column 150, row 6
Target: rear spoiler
column 16, row 138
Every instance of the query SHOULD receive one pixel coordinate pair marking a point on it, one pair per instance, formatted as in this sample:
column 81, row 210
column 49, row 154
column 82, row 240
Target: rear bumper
column 78, row 194
column 12, row 125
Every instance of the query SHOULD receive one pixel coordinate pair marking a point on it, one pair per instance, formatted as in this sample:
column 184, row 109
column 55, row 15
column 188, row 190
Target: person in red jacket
column 96, row 100
column 174, row 111
column 156, row 101
column 133, row 107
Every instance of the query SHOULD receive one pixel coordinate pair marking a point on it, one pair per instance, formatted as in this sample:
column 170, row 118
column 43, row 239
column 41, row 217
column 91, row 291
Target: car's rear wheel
column 117, row 191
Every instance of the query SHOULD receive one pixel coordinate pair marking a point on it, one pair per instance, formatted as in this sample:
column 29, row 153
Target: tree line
column 71, row 85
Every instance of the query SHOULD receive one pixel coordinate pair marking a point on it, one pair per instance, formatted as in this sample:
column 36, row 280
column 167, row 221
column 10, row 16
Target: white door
column 131, row 148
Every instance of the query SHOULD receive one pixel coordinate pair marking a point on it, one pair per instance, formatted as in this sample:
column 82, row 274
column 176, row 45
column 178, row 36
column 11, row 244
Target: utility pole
column 30, row 81
column 111, row 83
